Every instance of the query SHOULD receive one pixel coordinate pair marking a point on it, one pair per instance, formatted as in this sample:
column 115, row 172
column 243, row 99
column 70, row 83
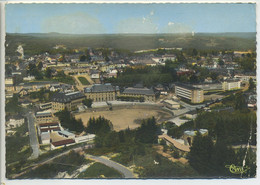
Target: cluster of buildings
column 100, row 67
column 52, row 133
column 195, row 92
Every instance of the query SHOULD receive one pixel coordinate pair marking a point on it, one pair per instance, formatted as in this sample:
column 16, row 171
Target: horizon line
column 126, row 33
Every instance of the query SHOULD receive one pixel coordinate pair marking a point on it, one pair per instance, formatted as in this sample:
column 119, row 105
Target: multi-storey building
column 193, row 94
column 102, row 92
column 70, row 101
column 147, row 94
column 44, row 117
column 35, row 86
column 231, row 85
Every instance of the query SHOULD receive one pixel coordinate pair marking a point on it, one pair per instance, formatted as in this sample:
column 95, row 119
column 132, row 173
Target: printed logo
column 237, row 169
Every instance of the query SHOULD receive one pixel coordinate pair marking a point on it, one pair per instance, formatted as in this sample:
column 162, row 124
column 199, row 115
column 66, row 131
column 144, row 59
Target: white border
column 99, row 182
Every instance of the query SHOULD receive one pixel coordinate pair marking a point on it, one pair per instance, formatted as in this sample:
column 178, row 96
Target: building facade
column 70, row 101
column 209, row 86
column 229, row 85
column 193, row 94
column 147, row 94
column 44, row 117
column 102, row 92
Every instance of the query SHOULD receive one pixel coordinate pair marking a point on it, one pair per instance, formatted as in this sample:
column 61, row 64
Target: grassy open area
column 124, row 118
column 83, row 80
column 99, row 170
column 145, row 166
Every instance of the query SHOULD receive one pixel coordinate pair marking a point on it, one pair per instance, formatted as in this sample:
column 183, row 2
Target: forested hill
column 36, row 43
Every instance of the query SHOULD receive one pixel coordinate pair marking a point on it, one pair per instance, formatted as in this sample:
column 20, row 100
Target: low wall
column 127, row 106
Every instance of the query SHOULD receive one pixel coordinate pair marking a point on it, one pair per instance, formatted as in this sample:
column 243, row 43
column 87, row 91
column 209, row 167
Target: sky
column 130, row 18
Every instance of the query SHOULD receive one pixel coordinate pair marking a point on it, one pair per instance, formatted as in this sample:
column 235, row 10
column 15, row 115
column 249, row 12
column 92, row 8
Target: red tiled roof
column 63, row 142
column 49, row 124
column 47, row 129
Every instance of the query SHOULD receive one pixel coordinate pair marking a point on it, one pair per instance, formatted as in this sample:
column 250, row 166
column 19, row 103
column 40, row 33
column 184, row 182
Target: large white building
column 229, row 85
column 245, row 78
column 193, row 94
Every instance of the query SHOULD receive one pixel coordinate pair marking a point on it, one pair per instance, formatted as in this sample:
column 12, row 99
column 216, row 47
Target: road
column 126, row 172
column 36, row 165
column 33, row 136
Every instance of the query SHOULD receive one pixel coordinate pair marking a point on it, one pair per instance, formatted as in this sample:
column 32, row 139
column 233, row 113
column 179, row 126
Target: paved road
column 36, row 165
column 33, row 136
column 126, row 172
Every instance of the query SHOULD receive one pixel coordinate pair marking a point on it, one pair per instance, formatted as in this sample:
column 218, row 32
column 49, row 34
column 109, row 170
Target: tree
column 240, row 101
column 82, row 58
column 69, row 122
column 107, row 58
column 99, row 126
column 88, row 102
column 251, row 84
column 88, row 57
column 33, row 71
column 148, row 131
column 39, row 66
column 175, row 132
column 200, row 154
column 48, row 73
column 220, row 62
column 194, row 52
column 222, row 155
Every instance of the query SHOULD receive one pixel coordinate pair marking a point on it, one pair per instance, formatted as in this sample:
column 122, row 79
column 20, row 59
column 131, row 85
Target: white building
column 81, row 139
column 9, row 81
column 229, row 85
column 245, row 78
column 15, row 122
column 29, row 78
column 66, row 134
column 172, row 104
column 45, row 138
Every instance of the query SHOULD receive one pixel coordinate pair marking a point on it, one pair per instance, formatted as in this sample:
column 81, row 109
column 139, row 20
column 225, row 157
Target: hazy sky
column 130, row 18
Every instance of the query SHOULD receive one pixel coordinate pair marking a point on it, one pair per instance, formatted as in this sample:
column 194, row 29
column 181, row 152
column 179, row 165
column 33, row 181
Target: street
column 127, row 173
column 33, row 136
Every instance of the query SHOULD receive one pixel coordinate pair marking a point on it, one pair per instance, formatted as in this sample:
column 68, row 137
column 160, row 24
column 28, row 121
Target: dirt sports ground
column 126, row 117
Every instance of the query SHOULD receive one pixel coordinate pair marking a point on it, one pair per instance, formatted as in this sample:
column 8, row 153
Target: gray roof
column 187, row 86
column 101, row 88
column 67, row 97
column 64, row 132
column 232, row 80
column 43, row 114
column 141, row 91
column 39, row 83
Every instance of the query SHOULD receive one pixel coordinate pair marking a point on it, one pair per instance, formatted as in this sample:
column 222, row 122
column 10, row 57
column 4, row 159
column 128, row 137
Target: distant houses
column 15, row 121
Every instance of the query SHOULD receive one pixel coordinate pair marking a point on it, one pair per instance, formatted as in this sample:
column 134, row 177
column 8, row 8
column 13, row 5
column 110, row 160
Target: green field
column 84, row 81
column 99, row 170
